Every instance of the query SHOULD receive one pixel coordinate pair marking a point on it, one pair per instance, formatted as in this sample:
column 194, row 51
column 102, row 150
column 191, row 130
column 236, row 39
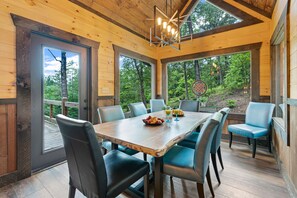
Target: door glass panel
column 60, row 92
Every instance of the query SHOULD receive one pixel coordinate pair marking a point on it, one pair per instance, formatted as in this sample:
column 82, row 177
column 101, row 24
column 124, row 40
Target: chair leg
column 249, row 141
column 220, row 157
column 230, row 139
column 144, row 157
column 146, row 185
column 71, row 191
column 269, row 142
column 209, row 181
column 200, row 190
column 214, row 163
column 254, row 147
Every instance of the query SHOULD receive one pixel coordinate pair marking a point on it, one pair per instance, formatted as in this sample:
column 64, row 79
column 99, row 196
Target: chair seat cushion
column 190, row 140
column 179, row 162
column 122, row 170
column 107, row 145
column 247, row 130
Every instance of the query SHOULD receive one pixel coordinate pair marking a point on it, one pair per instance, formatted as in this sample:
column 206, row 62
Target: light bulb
column 168, row 28
column 172, row 31
column 164, row 25
column 159, row 20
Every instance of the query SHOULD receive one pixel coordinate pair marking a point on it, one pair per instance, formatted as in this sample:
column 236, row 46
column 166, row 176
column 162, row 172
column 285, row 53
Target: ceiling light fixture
column 166, row 30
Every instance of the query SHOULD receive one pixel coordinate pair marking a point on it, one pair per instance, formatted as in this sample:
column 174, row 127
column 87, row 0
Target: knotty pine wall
column 242, row 36
column 288, row 155
column 69, row 17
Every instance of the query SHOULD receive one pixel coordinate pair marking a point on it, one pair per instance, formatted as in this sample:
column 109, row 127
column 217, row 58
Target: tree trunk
column 63, row 75
column 139, row 70
column 197, row 70
column 186, row 81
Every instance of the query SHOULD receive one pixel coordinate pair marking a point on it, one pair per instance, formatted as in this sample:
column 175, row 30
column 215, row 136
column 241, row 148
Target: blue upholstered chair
column 189, row 105
column 157, row 105
column 137, row 109
column 109, row 114
column 191, row 140
column 193, row 164
column 257, row 124
column 91, row 173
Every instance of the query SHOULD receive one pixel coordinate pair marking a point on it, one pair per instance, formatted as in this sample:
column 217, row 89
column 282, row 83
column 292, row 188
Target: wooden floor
column 243, row 176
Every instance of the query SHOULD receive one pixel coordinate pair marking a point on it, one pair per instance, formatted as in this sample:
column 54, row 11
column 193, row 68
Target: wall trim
column 8, row 101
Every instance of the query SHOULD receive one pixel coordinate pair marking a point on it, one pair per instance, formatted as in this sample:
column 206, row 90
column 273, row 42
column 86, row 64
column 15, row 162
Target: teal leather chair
column 137, row 109
column 191, row 140
column 189, row 105
column 257, row 124
column 193, row 164
column 91, row 173
column 157, row 105
column 109, row 114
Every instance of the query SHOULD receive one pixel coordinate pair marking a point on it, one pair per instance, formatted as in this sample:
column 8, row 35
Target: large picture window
column 227, row 78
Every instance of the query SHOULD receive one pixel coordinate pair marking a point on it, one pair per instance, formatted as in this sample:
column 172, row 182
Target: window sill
column 279, row 127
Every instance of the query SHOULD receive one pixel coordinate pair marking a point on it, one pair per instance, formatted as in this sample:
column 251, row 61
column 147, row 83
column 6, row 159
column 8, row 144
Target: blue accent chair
column 189, row 105
column 191, row 140
column 137, row 109
column 109, row 114
column 157, row 105
column 257, row 124
column 193, row 164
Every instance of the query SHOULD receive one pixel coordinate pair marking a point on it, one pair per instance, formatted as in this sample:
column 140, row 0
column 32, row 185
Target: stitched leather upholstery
column 157, row 105
column 90, row 172
column 137, row 109
column 189, row 105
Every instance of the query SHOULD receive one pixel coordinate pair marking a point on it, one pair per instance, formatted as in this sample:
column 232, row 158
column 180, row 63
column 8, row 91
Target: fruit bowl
column 151, row 120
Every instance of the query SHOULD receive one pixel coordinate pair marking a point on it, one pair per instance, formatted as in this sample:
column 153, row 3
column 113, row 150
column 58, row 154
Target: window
column 135, row 81
column 226, row 76
column 206, row 16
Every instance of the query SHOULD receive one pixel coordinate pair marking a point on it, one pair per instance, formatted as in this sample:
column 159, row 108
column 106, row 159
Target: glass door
column 59, row 86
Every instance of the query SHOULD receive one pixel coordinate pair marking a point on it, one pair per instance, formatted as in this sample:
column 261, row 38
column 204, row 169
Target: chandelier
column 166, row 30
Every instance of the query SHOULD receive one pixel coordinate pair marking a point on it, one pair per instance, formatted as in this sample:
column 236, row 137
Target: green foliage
column 231, row 103
column 203, row 99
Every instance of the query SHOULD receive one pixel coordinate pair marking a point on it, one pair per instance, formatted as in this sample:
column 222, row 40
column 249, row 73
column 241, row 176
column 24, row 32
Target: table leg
column 158, row 177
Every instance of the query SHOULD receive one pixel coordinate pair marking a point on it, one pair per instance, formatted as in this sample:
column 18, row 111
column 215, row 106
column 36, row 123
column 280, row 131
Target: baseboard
column 291, row 187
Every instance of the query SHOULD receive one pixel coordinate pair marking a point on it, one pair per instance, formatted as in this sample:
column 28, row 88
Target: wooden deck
column 52, row 136
column 243, row 176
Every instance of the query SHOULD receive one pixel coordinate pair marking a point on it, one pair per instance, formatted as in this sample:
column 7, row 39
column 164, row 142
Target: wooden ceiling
column 264, row 7
column 132, row 15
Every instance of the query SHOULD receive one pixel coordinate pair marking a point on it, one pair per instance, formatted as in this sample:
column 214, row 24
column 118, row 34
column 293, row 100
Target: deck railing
column 64, row 104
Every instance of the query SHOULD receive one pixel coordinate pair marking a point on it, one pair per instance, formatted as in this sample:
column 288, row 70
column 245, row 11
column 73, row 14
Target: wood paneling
column 7, row 138
column 264, row 7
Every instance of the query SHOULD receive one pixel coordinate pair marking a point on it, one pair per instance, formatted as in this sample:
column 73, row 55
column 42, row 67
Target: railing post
column 51, row 111
column 64, row 108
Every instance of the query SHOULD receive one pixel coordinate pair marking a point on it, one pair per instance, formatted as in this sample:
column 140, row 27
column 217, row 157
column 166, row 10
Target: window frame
column 119, row 51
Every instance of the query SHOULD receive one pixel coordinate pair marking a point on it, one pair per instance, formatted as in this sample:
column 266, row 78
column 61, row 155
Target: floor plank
column 243, row 176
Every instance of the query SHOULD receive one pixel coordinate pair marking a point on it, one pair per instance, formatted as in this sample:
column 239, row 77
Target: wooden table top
column 152, row 140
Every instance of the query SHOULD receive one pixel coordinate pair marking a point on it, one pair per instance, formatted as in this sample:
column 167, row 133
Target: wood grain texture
column 264, row 7
column 153, row 140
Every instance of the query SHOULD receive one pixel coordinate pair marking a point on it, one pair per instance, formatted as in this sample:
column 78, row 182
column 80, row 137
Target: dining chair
column 257, row 124
column 93, row 174
column 157, row 105
column 137, row 109
column 193, row 164
column 191, row 140
column 189, row 105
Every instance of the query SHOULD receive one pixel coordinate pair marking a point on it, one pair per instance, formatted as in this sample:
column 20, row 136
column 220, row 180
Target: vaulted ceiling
column 136, row 15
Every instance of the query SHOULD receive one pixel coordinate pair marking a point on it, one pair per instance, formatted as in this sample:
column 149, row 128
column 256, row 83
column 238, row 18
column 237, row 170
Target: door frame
column 24, row 28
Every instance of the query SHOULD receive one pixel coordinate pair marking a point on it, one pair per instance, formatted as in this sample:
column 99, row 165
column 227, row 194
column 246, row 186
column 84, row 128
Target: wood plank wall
column 242, row 36
column 7, row 138
column 287, row 155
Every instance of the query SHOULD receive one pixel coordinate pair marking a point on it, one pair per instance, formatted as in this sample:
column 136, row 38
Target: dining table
column 154, row 140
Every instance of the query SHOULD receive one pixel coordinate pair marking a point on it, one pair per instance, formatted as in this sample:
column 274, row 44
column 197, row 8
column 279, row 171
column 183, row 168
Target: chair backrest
column 137, row 109
column 216, row 142
column 259, row 114
column 85, row 161
column 203, row 145
column 110, row 113
column 189, row 105
column 157, row 105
